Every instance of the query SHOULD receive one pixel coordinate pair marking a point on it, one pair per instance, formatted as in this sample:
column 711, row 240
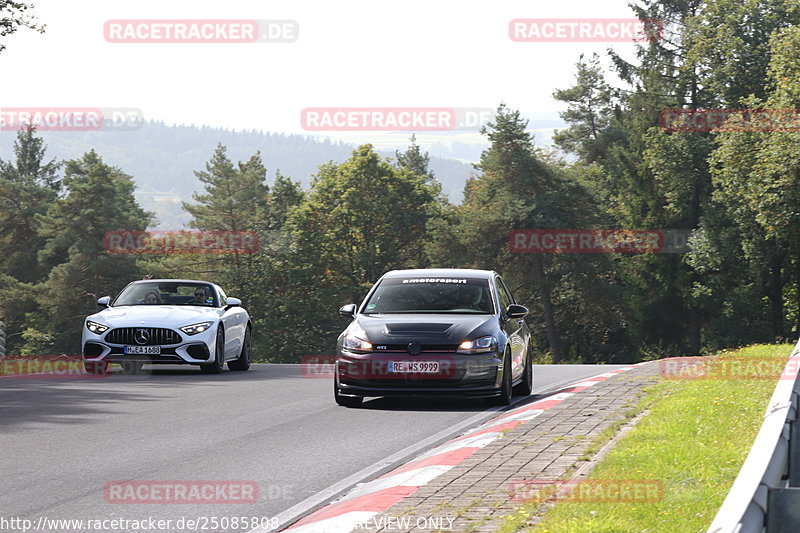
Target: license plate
column 143, row 350
column 421, row 367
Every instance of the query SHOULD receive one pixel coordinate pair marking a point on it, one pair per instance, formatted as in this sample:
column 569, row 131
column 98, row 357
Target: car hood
column 424, row 328
column 158, row 315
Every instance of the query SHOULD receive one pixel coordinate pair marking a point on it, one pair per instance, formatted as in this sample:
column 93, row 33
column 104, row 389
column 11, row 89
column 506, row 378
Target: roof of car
column 439, row 272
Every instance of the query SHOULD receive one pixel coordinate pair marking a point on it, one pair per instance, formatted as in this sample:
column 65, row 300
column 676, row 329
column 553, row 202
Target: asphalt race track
column 63, row 440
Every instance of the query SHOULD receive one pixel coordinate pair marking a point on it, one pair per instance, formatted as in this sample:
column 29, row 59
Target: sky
column 412, row 53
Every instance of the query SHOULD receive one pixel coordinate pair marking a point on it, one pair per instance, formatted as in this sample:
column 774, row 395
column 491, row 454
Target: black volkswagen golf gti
column 434, row 332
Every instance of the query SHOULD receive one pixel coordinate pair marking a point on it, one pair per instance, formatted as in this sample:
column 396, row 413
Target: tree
column 518, row 188
column 14, row 15
column 360, row 219
column 235, row 199
column 284, row 196
column 710, row 54
column 98, row 198
column 28, row 187
column 757, row 175
column 233, row 193
column 728, row 46
column 269, row 277
column 363, row 217
column 520, row 180
column 589, row 114
column 414, row 160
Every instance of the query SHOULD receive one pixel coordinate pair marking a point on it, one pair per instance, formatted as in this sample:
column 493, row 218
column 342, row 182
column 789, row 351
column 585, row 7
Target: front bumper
column 477, row 375
column 195, row 349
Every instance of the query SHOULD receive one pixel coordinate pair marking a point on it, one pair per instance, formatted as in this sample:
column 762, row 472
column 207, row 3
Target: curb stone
column 463, row 485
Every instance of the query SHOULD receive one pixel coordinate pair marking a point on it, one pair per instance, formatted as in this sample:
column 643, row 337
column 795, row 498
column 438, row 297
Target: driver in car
column 152, row 297
column 200, row 296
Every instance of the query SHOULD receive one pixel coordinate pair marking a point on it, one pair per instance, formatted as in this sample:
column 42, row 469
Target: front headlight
column 354, row 344
column 481, row 345
column 194, row 329
column 96, row 328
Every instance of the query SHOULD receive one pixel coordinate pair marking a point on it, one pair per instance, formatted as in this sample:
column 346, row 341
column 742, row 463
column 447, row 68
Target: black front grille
column 155, row 336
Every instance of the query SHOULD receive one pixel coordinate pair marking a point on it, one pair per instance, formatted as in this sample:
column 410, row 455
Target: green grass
column 693, row 440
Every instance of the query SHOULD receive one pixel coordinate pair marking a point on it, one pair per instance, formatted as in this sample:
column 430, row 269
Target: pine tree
column 235, row 199
column 414, row 160
column 98, row 198
column 28, row 186
column 589, row 114
column 233, row 193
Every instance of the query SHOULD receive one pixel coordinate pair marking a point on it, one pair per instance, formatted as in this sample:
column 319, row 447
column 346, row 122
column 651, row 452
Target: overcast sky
column 429, row 53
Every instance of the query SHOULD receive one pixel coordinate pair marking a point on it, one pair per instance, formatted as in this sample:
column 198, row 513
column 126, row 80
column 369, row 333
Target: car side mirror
column 348, row 310
column 104, row 301
column 516, row 311
column 234, row 302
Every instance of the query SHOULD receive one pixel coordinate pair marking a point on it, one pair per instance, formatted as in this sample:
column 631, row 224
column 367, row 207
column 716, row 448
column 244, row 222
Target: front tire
column 525, row 387
column 506, row 390
column 346, row 401
column 219, row 356
column 243, row 362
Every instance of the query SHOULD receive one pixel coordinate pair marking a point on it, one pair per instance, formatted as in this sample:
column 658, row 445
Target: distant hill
column 162, row 159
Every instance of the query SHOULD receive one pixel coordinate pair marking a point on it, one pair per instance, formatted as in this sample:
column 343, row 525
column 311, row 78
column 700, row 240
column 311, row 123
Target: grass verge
column 692, row 443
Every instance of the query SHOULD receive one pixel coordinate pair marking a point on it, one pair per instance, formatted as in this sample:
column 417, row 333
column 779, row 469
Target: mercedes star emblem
column 141, row 336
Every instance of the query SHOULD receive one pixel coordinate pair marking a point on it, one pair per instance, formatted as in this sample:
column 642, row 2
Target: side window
column 508, row 291
column 502, row 294
column 223, row 300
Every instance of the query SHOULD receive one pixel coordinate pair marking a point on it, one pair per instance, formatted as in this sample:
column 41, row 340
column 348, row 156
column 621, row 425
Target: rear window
column 431, row 295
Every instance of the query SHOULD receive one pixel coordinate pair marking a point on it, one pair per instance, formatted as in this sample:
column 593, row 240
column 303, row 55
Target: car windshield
column 167, row 293
column 431, row 295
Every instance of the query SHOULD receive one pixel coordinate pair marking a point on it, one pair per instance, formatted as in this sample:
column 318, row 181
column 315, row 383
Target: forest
column 731, row 184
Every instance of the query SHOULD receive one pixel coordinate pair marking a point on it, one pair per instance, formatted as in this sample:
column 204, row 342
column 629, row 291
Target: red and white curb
column 372, row 498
